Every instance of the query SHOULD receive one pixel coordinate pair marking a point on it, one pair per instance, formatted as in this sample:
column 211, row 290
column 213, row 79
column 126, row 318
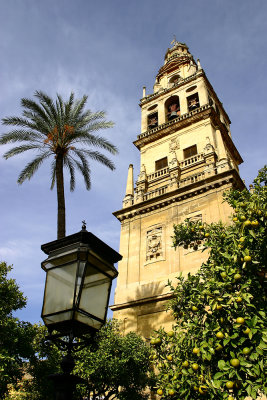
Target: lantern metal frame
column 86, row 251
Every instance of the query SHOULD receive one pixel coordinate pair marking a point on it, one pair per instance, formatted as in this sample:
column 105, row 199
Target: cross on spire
column 174, row 41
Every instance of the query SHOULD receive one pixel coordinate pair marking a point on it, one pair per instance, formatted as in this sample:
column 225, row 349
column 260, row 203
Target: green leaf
column 221, row 364
column 249, row 389
column 259, row 350
column 217, row 384
column 252, row 233
column 218, row 375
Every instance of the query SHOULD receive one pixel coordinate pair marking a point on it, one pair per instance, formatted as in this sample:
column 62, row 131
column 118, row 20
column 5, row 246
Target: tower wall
column 187, row 162
column 141, row 292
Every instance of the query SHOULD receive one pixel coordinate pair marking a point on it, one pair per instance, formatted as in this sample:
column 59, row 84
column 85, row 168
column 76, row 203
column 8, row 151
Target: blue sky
column 109, row 50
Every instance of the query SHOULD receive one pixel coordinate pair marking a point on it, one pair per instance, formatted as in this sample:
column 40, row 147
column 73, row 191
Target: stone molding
column 139, row 302
column 188, row 191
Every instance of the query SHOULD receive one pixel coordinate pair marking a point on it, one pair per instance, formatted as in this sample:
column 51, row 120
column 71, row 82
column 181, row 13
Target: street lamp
column 79, row 273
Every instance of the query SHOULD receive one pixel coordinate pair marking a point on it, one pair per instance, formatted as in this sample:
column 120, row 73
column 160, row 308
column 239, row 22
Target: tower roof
column 178, row 48
column 175, row 56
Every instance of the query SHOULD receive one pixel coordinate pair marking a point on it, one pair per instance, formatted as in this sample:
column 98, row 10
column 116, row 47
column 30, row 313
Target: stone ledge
column 179, row 194
column 135, row 303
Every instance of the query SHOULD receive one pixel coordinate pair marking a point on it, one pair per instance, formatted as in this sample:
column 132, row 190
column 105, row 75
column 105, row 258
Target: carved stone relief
column 195, row 218
column 174, row 144
column 208, row 148
column 173, row 160
column 154, row 246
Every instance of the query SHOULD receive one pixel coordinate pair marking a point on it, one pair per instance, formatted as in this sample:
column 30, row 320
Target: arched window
column 152, row 120
column 193, row 102
column 174, row 79
column 172, row 108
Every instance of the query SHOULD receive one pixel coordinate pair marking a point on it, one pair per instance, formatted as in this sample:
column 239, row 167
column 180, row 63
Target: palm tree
column 63, row 130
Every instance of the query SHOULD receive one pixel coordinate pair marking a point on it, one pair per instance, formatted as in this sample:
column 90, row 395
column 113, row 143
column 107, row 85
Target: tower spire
column 129, row 194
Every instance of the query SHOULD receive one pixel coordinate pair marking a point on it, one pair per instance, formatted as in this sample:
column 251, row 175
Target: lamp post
column 79, row 273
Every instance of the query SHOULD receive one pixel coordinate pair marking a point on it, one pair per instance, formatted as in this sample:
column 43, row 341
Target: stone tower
column 188, row 160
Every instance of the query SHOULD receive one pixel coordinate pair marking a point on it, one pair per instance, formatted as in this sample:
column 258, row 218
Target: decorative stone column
column 210, row 157
column 141, row 185
column 223, row 162
column 175, row 171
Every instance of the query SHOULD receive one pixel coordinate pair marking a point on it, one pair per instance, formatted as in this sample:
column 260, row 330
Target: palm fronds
column 64, row 130
column 32, row 167
column 20, row 149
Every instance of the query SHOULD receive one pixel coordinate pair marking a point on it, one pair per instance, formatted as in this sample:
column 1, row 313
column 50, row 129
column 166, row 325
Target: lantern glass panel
column 84, row 319
column 59, row 290
column 95, row 293
column 105, row 267
column 56, row 318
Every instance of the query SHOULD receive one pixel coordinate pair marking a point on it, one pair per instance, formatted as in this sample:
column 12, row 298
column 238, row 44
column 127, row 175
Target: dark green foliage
column 220, row 312
column 15, row 335
column 44, row 362
column 115, row 365
column 44, row 359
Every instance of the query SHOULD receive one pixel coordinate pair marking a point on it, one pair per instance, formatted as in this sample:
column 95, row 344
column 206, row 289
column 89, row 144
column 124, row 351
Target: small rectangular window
column 190, row 151
column 162, row 163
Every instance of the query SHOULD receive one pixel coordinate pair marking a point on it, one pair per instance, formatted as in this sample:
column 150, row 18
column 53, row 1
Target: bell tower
column 187, row 161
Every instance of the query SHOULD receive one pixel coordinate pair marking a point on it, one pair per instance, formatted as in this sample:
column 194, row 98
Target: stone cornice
column 191, row 190
column 193, row 77
column 187, row 119
column 173, row 63
column 214, row 94
column 139, row 302
column 153, row 96
column 173, row 126
column 217, row 123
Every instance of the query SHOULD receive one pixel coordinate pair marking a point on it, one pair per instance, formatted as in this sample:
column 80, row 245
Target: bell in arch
column 173, row 110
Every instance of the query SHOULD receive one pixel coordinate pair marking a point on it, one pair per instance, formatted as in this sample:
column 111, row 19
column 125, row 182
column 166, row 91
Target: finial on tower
column 83, row 225
column 174, row 41
column 144, row 91
column 198, row 64
column 130, row 182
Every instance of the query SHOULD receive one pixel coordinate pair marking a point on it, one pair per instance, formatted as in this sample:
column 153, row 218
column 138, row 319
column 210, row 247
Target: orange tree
column 216, row 348
column 114, row 366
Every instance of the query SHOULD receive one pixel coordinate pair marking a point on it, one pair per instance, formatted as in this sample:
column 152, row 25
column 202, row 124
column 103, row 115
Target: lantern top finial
column 83, row 225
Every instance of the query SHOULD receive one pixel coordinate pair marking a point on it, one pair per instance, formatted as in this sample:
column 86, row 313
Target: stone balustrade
column 155, row 193
column 164, row 189
column 173, row 121
column 160, row 173
column 188, row 162
column 191, row 179
column 181, row 82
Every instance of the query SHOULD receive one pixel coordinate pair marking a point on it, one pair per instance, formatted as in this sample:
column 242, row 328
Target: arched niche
column 174, row 79
column 193, row 102
column 152, row 120
column 172, row 108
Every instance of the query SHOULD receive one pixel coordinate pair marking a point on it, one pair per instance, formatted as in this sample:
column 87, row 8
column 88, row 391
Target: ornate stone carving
column 173, row 160
column 154, row 243
column 174, row 144
column 175, row 170
column 195, row 218
column 209, row 148
column 142, row 176
column 141, row 184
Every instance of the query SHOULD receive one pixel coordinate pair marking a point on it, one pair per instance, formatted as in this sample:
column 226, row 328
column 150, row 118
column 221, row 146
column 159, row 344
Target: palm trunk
column 61, row 217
